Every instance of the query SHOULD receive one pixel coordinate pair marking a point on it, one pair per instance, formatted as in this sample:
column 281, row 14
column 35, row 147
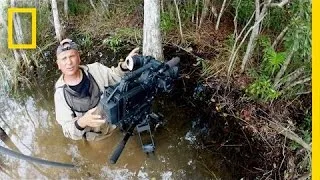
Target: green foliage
column 42, row 25
column 272, row 60
column 276, row 19
column 245, row 10
column 187, row 10
column 307, row 123
column 167, row 22
column 134, row 5
column 76, row 8
column 230, row 40
column 85, row 41
column 298, row 39
column 262, row 89
column 298, row 36
column 132, row 35
column 305, row 131
column 128, row 35
column 113, row 42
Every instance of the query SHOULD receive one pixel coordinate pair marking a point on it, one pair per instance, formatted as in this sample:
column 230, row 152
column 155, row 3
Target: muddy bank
column 246, row 134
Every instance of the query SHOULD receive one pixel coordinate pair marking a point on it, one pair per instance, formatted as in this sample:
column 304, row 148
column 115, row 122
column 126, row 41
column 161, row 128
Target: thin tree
column 19, row 37
column 220, row 14
column 204, row 13
column 93, row 6
column 36, row 3
column 152, row 42
column 66, row 8
column 57, row 25
column 259, row 16
column 180, row 26
column 105, row 4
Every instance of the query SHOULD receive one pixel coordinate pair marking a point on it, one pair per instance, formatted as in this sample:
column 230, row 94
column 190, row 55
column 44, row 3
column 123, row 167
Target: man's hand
column 90, row 119
column 132, row 53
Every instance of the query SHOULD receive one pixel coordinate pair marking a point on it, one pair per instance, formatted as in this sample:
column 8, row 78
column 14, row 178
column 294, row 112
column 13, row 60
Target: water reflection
column 33, row 131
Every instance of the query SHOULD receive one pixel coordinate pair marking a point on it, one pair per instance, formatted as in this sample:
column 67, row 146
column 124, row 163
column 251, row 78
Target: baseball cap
column 65, row 45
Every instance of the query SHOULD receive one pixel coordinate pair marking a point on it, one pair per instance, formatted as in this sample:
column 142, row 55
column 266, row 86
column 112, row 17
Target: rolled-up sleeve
column 110, row 76
column 64, row 117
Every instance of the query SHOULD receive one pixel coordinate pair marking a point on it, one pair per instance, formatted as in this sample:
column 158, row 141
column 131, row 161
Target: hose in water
column 34, row 159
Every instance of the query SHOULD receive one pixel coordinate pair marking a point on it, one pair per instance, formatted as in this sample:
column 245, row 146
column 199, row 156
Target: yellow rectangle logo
column 33, row 12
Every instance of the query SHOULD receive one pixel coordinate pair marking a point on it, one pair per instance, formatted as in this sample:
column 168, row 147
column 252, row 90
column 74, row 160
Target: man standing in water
column 78, row 92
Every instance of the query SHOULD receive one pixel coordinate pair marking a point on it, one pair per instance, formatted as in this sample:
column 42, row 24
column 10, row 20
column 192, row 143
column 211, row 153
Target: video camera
column 128, row 104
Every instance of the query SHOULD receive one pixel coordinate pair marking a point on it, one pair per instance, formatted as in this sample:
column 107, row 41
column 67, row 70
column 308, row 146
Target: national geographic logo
column 11, row 12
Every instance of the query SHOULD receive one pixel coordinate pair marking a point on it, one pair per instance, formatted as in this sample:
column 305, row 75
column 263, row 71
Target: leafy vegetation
column 167, row 22
column 77, row 8
column 245, row 9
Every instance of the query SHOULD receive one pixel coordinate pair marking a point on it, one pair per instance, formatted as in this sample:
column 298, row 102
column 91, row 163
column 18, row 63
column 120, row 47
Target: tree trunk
column 197, row 14
column 105, row 5
column 3, row 30
column 18, row 36
column 152, row 42
column 220, row 14
column 236, row 47
column 3, row 25
column 291, row 77
column 17, row 26
column 66, row 8
column 280, row 36
column 162, row 6
column 57, row 25
column 93, row 6
column 283, row 68
column 255, row 32
column 36, row 3
column 204, row 13
column 180, row 26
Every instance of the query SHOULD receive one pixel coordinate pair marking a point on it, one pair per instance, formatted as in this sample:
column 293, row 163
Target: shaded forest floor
column 253, row 138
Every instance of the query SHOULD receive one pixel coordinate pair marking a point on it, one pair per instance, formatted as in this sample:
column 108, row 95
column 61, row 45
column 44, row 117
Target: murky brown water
column 32, row 129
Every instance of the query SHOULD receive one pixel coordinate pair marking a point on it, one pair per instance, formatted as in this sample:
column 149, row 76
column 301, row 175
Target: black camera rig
column 128, row 104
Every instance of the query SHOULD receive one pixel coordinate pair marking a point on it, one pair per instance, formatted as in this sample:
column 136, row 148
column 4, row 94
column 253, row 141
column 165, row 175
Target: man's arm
column 113, row 75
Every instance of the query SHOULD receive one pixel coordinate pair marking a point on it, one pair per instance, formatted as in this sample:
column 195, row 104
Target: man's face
column 68, row 62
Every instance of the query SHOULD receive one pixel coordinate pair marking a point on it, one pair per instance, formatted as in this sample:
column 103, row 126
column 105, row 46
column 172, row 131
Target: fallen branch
column 280, row 4
column 280, row 36
column 195, row 56
column 289, row 134
column 304, row 176
column 290, row 77
column 302, row 81
column 283, row 68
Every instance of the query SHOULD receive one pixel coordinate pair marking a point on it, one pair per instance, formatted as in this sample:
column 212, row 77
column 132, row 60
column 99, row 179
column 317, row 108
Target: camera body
column 131, row 99
column 128, row 104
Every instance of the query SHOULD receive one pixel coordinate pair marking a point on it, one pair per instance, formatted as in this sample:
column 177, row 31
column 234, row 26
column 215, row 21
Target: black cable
column 34, row 159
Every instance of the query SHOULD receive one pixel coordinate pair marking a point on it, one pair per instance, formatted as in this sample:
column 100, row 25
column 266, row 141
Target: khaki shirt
column 104, row 77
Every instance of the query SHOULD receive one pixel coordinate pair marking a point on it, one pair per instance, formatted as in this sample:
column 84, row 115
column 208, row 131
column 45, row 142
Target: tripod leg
column 117, row 152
